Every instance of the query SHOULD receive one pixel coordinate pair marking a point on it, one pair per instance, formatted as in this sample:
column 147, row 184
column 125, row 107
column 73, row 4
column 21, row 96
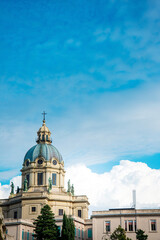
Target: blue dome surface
column 45, row 150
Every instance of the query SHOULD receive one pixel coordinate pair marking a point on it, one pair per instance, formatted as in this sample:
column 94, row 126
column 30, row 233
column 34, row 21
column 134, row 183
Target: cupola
column 44, row 135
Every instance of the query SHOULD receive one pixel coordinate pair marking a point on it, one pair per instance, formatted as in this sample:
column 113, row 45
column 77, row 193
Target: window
column 125, row 225
column 130, row 225
column 33, row 209
column 82, row 233
column 42, row 137
column 46, row 137
column 75, row 232
column 27, row 163
column 53, row 178
column 60, row 212
column 153, row 225
column 15, row 215
column 32, row 236
column 28, row 235
column 54, row 162
column 89, row 232
column 107, row 224
column 79, row 232
column 40, row 161
column 27, row 177
column 59, row 228
column 135, row 226
column 40, row 178
column 22, row 234
column 79, row 213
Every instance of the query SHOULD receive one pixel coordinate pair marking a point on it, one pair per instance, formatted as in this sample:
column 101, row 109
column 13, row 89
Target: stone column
column 31, row 178
column 47, row 177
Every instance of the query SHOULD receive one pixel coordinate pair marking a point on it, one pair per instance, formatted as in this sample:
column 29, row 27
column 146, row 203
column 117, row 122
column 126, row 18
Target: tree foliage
column 45, row 227
column 140, row 235
column 119, row 234
column 68, row 228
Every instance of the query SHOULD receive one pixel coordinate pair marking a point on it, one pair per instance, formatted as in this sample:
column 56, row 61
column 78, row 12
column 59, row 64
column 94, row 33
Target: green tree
column 119, row 234
column 45, row 227
column 68, row 228
column 140, row 235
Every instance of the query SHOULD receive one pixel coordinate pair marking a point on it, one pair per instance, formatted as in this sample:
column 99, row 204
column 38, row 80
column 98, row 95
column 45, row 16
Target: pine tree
column 68, row 228
column 65, row 228
column 119, row 234
column 45, row 227
column 140, row 235
column 71, row 228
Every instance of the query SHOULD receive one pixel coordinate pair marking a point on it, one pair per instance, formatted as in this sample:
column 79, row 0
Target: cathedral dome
column 47, row 151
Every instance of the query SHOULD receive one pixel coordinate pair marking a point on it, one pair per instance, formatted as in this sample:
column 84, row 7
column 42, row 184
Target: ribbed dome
column 45, row 150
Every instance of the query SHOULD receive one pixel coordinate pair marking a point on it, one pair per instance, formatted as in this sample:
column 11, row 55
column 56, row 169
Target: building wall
column 18, row 229
column 143, row 218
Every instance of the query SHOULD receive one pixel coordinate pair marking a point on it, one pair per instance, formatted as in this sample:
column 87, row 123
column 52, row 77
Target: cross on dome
column 44, row 113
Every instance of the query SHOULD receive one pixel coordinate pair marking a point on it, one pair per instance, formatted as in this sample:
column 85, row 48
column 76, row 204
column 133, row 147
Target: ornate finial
column 44, row 113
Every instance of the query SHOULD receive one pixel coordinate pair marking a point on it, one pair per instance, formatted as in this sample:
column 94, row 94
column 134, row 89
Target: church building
column 43, row 177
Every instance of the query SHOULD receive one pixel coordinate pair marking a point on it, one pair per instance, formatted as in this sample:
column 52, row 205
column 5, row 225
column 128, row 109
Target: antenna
column 134, row 198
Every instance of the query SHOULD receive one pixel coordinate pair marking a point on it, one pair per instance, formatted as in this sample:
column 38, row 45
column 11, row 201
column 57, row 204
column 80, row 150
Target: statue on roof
column 50, row 184
column 25, row 185
column 12, row 188
column 69, row 186
column 72, row 189
column 18, row 189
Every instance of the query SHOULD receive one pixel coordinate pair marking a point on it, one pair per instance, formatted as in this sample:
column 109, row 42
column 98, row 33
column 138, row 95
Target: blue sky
column 93, row 66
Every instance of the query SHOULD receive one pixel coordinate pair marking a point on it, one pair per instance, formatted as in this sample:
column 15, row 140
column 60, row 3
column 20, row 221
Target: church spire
column 44, row 133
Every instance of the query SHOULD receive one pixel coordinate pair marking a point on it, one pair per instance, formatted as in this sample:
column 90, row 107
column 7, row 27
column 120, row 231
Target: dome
column 44, row 150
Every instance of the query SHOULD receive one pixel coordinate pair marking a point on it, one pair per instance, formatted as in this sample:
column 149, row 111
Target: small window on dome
column 40, row 161
column 54, row 162
column 27, row 163
column 46, row 137
column 42, row 137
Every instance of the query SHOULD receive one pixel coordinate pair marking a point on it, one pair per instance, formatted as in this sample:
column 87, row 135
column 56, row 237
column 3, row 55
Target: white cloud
column 111, row 189
column 6, row 189
column 114, row 188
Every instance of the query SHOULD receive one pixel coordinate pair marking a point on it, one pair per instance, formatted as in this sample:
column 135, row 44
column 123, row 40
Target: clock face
column 54, row 162
column 40, row 161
